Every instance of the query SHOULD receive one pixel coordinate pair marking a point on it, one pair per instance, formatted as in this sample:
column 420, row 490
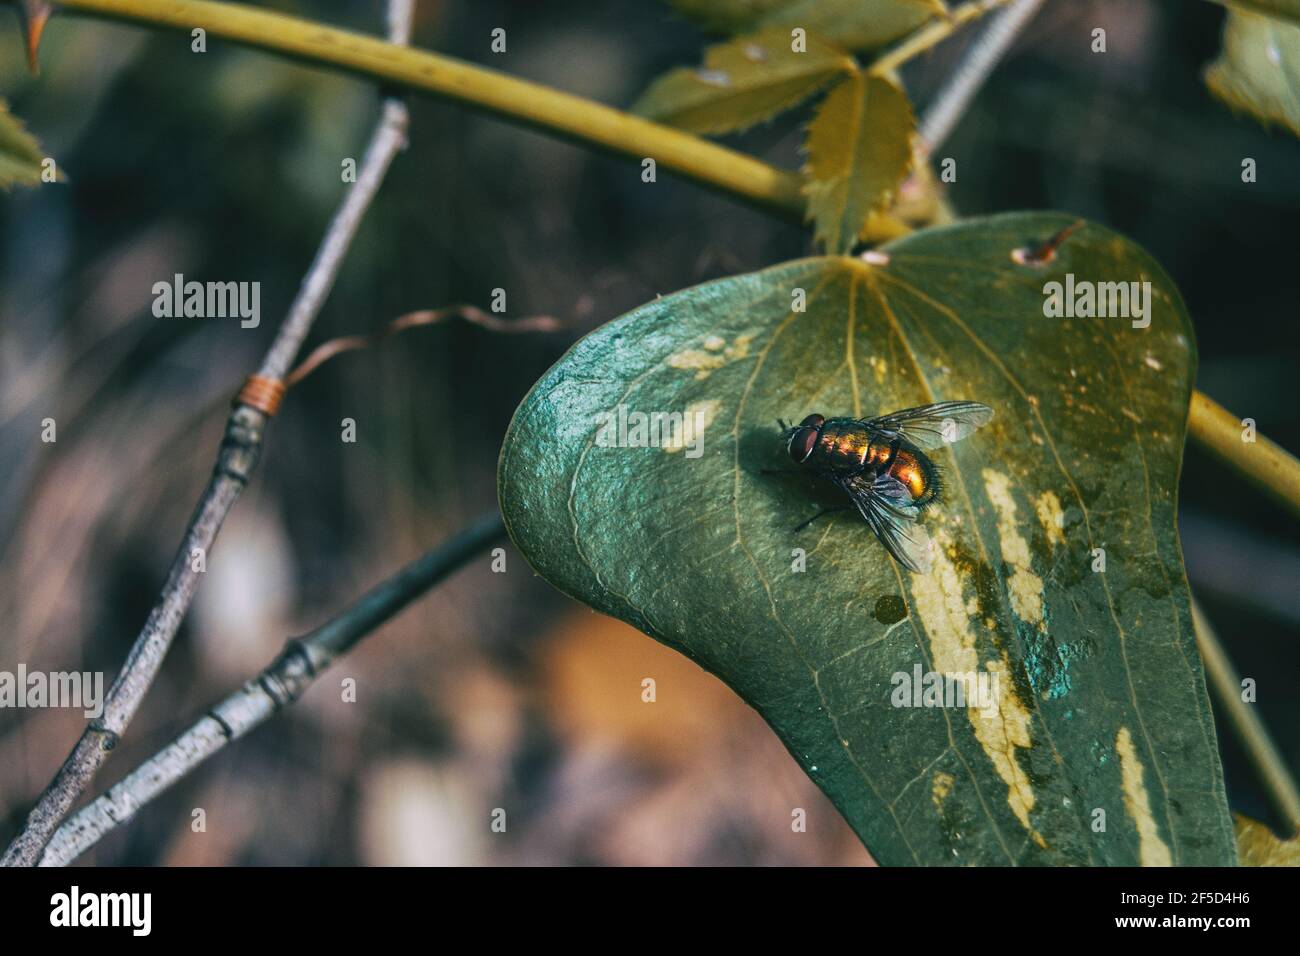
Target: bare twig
column 989, row 47
column 278, row 685
column 236, row 459
column 350, row 343
column 1254, row 736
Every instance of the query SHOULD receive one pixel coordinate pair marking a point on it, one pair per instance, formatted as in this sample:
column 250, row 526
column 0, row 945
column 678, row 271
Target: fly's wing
column 929, row 426
column 887, row 506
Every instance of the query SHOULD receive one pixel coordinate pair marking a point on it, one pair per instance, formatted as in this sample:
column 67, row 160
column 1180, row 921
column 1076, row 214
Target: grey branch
column 952, row 101
column 281, row 683
column 236, row 460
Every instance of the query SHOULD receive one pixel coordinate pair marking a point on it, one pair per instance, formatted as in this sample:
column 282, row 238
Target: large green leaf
column 20, row 154
column 1259, row 68
column 859, row 151
column 854, row 24
column 743, row 81
column 1101, row 703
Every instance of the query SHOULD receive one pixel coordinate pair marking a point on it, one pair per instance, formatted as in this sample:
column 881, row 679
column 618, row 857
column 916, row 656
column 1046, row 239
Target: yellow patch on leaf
column 940, row 603
column 1152, row 850
column 1024, row 587
column 714, row 355
column 1051, row 517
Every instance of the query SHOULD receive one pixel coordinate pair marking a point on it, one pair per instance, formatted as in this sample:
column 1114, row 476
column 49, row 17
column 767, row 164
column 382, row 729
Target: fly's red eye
column 815, row 421
column 801, row 443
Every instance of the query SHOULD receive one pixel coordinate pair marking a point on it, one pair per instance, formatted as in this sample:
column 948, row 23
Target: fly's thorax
column 843, row 446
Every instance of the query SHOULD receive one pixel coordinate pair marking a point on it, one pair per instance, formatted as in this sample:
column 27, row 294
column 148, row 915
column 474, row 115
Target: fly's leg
column 827, row 511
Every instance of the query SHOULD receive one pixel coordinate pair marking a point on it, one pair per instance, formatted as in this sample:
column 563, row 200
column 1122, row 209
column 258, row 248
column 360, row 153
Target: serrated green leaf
column 20, row 153
column 1259, row 68
column 1257, row 846
column 859, row 151
column 1101, row 702
column 743, row 81
column 861, row 25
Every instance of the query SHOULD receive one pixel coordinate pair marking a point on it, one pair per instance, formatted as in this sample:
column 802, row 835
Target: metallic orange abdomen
column 914, row 475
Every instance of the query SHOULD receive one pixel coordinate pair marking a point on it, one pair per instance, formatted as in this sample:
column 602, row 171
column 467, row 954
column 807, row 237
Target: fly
column 881, row 464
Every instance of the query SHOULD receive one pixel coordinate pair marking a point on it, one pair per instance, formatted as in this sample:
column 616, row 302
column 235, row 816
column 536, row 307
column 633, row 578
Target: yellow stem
column 531, row 103
column 1271, row 467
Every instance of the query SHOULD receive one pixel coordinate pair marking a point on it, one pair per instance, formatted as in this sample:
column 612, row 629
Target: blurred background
column 494, row 691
